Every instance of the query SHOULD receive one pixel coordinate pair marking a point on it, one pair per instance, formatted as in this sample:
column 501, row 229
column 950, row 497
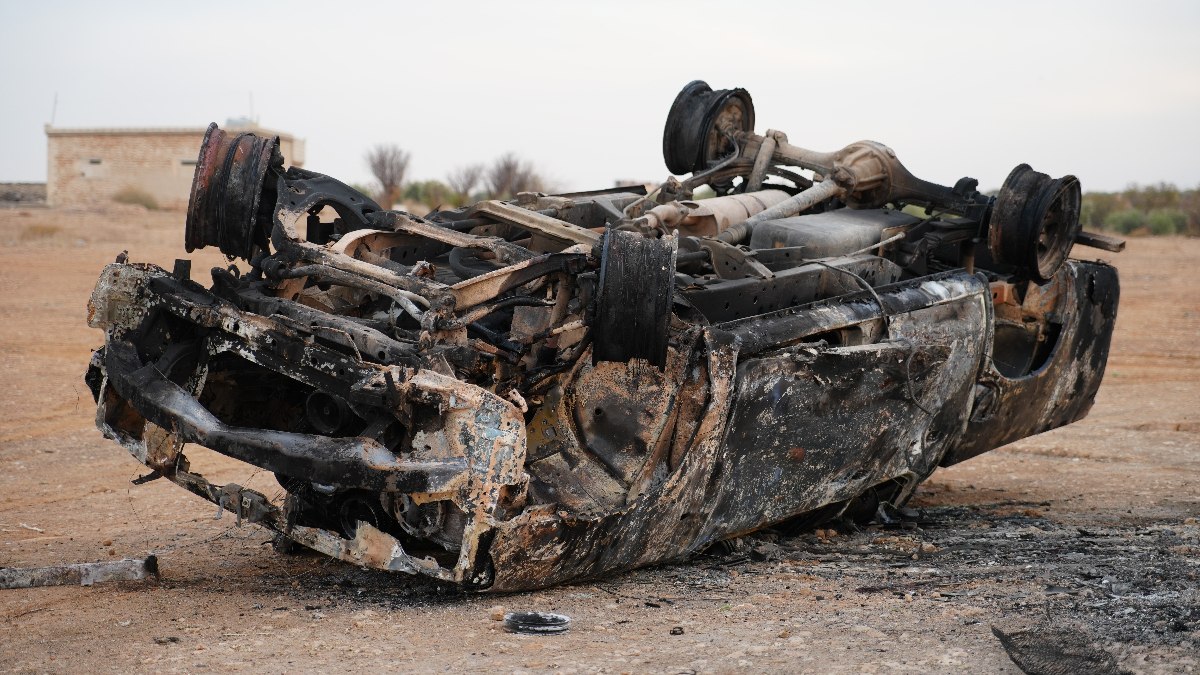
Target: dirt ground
column 1091, row 527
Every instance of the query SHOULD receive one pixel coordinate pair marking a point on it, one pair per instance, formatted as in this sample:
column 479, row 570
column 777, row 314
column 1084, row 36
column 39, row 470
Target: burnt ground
column 1092, row 527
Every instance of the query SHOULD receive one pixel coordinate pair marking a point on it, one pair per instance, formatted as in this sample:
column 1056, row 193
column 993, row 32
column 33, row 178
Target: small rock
column 170, row 639
column 496, row 613
column 677, row 630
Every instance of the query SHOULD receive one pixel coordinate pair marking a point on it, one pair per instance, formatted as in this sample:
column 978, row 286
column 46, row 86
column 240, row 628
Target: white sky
column 1109, row 91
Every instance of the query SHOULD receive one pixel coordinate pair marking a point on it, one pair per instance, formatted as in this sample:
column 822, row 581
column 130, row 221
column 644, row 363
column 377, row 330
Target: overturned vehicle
column 520, row 393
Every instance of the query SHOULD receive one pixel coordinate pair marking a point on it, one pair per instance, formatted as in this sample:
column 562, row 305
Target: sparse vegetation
column 1159, row 209
column 136, row 196
column 1166, row 221
column 39, row 231
column 465, row 179
column 432, row 193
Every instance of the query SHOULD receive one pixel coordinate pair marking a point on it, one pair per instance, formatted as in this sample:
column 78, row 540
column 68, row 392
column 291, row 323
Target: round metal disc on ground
column 226, row 192
column 1035, row 221
column 693, row 138
column 536, row 623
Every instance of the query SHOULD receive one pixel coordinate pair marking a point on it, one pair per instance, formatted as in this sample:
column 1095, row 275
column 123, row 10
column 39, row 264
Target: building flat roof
column 160, row 131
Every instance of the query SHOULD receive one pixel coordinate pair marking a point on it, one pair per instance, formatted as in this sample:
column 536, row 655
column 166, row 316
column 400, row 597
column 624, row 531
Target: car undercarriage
column 514, row 394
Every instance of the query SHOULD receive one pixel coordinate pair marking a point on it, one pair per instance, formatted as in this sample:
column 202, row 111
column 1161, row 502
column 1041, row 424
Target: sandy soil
column 1091, row 527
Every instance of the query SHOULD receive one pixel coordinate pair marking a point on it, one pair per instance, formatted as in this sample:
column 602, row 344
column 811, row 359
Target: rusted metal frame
column 347, row 462
column 742, row 167
column 551, row 227
column 558, row 313
column 732, row 262
column 760, row 333
column 479, row 311
column 762, row 160
column 291, row 252
column 485, row 287
column 364, row 339
column 870, row 174
column 407, row 300
column 290, row 248
column 261, row 338
column 370, row 547
column 789, row 287
column 258, row 338
column 506, row 252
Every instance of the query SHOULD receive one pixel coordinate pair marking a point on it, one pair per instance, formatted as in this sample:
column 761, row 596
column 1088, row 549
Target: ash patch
column 1123, row 585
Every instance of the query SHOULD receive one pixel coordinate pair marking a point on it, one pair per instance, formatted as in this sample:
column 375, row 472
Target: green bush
column 1097, row 206
column 1125, row 221
column 432, row 193
column 132, row 195
column 1166, row 221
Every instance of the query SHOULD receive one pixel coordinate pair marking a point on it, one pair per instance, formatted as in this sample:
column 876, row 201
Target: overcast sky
column 1109, row 91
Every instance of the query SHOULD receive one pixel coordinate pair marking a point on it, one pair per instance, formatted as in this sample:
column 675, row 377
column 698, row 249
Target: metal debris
column 83, row 574
column 536, row 623
column 511, row 395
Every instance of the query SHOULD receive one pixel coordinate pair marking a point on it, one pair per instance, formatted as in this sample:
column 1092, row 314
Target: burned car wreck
column 520, row 393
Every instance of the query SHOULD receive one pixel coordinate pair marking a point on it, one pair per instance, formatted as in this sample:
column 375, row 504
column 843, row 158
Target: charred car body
column 520, row 393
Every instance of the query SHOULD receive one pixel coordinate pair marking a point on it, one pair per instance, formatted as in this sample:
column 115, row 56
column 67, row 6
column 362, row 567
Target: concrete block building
column 90, row 166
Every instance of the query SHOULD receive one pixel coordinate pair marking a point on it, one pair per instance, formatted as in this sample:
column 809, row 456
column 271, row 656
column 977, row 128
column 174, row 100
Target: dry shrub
column 132, row 195
column 39, row 231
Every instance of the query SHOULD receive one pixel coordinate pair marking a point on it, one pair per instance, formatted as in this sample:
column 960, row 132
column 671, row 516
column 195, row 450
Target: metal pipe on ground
column 83, row 574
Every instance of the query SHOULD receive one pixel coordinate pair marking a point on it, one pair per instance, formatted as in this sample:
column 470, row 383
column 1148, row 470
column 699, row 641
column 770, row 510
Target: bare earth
column 1092, row 527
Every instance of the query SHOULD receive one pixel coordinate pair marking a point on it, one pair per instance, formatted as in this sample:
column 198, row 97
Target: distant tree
column 509, row 175
column 1146, row 198
column 464, row 180
column 1097, row 206
column 388, row 164
column 1189, row 203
